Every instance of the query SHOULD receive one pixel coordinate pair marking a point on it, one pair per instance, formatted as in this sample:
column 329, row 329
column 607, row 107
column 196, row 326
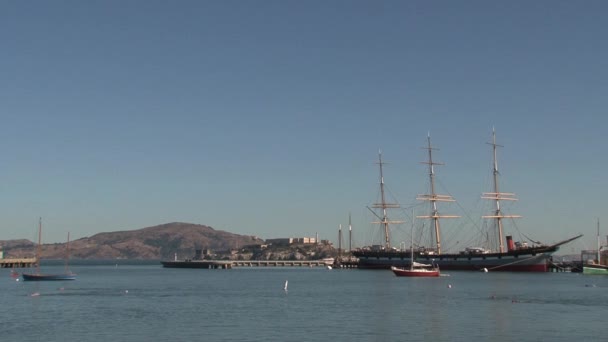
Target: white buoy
column 449, row 286
column 485, row 270
column 285, row 287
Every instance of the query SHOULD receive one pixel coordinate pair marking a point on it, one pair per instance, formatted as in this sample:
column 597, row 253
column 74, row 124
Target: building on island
column 297, row 241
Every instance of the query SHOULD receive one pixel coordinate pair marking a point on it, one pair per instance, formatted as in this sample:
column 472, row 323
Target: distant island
column 177, row 239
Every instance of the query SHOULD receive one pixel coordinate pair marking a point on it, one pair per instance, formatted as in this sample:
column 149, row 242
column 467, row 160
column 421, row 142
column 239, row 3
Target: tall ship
column 502, row 254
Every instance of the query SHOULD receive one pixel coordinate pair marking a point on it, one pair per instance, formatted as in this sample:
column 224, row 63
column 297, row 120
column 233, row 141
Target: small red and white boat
column 416, row 270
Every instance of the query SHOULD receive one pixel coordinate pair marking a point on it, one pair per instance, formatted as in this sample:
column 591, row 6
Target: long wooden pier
column 18, row 263
column 284, row 263
column 226, row 264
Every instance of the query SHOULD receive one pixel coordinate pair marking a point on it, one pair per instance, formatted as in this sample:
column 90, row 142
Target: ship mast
column 384, row 221
column 350, row 235
column 67, row 254
column 340, row 242
column 498, row 196
column 599, row 260
column 433, row 197
column 38, row 247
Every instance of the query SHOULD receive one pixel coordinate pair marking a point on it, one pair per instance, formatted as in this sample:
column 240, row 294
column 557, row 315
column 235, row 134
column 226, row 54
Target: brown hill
column 23, row 247
column 158, row 242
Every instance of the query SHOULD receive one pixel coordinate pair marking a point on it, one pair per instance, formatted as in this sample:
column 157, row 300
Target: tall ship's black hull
column 532, row 260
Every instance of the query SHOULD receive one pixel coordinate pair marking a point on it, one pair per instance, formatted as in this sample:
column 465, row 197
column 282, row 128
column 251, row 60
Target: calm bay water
column 150, row 303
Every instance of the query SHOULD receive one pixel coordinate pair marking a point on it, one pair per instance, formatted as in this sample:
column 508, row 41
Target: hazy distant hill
column 17, row 245
column 156, row 242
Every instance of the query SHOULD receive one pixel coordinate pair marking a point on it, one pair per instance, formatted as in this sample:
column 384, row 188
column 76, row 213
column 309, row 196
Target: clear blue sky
column 265, row 117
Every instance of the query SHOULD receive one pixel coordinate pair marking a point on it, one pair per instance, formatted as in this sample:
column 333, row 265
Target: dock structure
column 273, row 263
column 228, row 264
column 347, row 263
column 18, row 263
column 575, row 266
column 197, row 264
